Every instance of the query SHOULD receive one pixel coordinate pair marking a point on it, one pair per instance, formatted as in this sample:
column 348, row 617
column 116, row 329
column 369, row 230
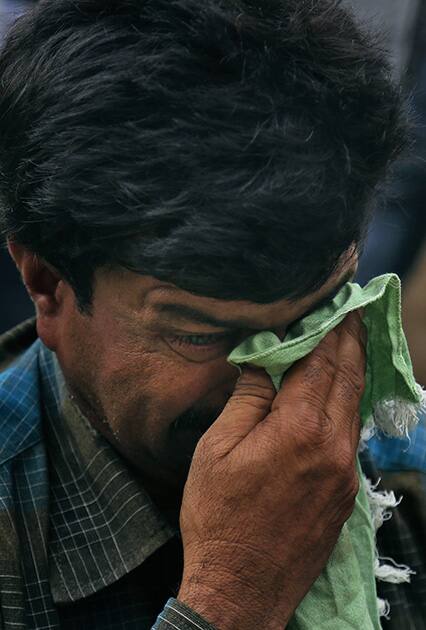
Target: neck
column 168, row 499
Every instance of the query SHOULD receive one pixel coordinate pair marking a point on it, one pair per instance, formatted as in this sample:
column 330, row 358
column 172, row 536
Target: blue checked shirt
column 83, row 547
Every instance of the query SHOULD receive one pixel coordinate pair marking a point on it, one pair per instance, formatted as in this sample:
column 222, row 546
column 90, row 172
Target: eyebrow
column 190, row 314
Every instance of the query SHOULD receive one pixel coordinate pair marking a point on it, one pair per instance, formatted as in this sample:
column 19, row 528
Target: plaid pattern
column 82, row 544
column 102, row 523
column 176, row 615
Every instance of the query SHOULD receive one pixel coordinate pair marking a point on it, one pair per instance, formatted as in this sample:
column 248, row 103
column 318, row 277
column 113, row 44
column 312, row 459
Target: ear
column 46, row 288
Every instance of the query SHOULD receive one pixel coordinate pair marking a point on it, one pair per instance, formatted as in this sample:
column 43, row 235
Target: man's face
column 148, row 366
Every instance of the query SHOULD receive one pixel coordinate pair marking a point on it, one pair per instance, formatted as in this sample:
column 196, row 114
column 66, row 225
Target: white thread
column 394, row 573
column 384, row 608
column 380, row 502
column 367, row 432
column 396, row 418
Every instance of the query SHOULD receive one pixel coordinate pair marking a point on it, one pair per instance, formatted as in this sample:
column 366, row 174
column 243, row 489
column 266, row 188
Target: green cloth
column 344, row 596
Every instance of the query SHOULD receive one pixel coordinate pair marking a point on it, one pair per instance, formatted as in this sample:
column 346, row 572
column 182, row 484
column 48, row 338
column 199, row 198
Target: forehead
column 154, row 299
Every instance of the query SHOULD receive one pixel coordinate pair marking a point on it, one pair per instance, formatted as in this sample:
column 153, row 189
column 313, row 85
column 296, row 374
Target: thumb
column 249, row 404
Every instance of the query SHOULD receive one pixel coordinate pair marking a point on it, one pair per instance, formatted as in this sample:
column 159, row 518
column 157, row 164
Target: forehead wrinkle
column 175, row 311
column 172, row 312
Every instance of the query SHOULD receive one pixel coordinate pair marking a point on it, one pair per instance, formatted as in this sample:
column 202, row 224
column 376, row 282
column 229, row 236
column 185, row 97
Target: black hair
column 231, row 147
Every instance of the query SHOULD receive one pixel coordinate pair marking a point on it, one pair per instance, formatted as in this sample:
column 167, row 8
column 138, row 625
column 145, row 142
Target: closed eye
column 200, row 340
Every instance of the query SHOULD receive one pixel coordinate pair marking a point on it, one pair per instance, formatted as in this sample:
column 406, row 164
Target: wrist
column 227, row 604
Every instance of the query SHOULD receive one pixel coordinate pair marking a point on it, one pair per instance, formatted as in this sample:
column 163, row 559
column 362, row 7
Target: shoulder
column 20, row 405
column 401, row 454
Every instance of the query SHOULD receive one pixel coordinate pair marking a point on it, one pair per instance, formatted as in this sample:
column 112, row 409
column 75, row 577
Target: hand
column 271, row 484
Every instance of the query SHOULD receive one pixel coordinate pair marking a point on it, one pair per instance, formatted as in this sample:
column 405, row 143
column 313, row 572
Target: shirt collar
column 103, row 524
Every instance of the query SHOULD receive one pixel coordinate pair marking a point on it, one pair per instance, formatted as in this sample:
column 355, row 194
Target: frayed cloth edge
column 381, row 502
column 394, row 418
column 397, row 417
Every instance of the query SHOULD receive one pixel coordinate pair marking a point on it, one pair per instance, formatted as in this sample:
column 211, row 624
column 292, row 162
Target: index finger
column 348, row 385
column 309, row 380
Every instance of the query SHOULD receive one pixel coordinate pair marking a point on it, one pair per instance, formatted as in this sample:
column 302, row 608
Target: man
column 174, row 177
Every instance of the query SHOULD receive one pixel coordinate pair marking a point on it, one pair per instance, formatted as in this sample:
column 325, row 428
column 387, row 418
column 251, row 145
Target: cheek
column 202, row 386
column 162, row 387
column 144, row 367
column 133, row 380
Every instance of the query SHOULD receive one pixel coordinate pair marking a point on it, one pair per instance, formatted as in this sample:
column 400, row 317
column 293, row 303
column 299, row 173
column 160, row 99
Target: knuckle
column 201, row 450
column 343, row 468
column 350, row 379
column 352, row 371
column 253, row 393
column 318, row 365
column 206, row 448
column 314, row 429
